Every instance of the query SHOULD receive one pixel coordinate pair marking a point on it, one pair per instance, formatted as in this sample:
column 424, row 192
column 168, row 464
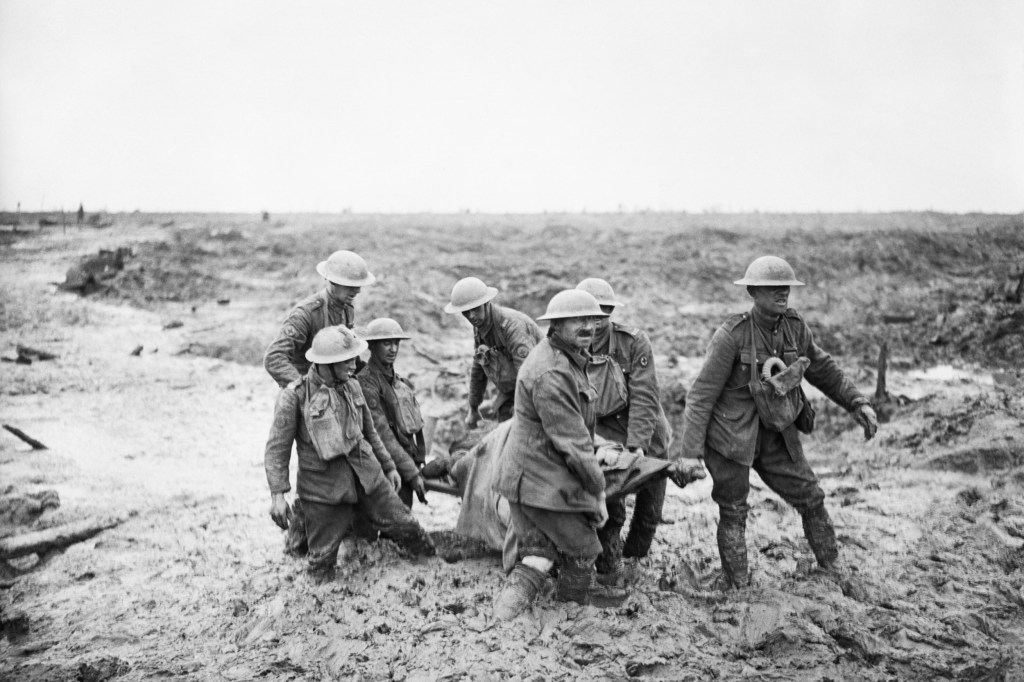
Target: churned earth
column 167, row 441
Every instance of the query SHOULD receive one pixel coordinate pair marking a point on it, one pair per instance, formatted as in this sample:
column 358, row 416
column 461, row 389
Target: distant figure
column 81, row 214
column 266, row 217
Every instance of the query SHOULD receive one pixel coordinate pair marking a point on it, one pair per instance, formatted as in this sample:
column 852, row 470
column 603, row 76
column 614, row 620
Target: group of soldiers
column 579, row 412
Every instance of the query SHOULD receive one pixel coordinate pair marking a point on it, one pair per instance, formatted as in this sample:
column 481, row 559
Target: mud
column 194, row 584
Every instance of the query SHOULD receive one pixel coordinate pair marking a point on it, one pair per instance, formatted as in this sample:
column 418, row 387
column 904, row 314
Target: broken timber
column 58, row 537
column 36, row 445
column 881, row 394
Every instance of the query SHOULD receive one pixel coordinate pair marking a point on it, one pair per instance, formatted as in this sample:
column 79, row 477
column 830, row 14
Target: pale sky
column 205, row 105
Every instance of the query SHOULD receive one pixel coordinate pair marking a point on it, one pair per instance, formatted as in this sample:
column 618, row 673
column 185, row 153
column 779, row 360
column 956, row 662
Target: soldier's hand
column 473, row 417
column 417, row 487
column 601, row 517
column 637, row 451
column 280, row 511
column 686, row 471
column 867, row 418
column 394, row 479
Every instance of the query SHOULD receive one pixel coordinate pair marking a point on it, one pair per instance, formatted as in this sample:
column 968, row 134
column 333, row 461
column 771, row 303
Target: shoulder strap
column 327, row 319
column 753, row 352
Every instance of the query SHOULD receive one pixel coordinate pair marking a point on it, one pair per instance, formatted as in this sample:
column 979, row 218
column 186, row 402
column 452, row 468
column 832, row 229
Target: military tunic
column 500, row 348
column 333, row 490
column 720, row 413
column 640, row 424
column 379, row 384
column 328, row 482
column 548, row 470
column 285, row 357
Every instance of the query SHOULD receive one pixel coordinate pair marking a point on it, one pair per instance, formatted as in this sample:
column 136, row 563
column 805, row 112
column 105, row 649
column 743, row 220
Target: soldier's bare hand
column 473, row 417
column 394, row 479
column 601, row 517
column 637, row 451
column 417, row 487
column 867, row 418
column 686, row 471
column 280, row 512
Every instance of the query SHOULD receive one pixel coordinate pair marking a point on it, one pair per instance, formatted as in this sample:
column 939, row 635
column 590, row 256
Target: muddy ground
column 156, row 409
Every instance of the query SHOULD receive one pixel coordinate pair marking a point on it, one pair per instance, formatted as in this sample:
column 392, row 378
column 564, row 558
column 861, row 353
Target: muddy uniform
column 548, row 471
column 641, row 423
column 721, row 422
column 501, row 347
column 397, row 418
column 285, row 358
column 336, row 477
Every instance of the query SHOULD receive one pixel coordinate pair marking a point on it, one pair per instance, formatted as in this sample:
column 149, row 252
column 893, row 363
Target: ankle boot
column 821, row 535
column 732, row 548
column 609, row 563
column 520, row 590
column 576, row 582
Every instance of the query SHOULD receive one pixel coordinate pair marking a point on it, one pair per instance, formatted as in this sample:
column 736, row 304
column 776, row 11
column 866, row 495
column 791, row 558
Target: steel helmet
column 769, row 271
column 346, row 268
column 381, row 329
column 572, row 303
column 335, row 344
column 469, row 293
column 599, row 289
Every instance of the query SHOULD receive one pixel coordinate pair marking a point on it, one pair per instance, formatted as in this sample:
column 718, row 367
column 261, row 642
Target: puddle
column 950, row 374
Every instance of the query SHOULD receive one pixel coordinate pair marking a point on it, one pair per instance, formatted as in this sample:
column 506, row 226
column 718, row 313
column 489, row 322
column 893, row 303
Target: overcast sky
column 512, row 106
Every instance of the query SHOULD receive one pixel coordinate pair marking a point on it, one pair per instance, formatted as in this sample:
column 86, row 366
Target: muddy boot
column 821, row 535
column 732, row 548
column 411, row 537
column 319, row 576
column 577, row 583
column 520, row 590
column 609, row 563
column 646, row 517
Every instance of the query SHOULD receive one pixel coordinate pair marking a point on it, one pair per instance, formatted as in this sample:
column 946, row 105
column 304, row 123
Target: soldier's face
column 601, row 323
column 385, row 350
column 770, row 300
column 477, row 316
column 578, row 332
column 340, row 372
column 342, row 293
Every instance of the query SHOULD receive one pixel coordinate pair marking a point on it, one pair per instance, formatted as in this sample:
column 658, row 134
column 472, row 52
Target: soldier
column 630, row 414
column 502, row 338
column 723, row 424
column 325, row 415
column 346, row 273
column 392, row 402
column 548, row 470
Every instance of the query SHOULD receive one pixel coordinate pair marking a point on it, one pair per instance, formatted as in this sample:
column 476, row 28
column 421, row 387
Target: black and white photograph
column 489, row 340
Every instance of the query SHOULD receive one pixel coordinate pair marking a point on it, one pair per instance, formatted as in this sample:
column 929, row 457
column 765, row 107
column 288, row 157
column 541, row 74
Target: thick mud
column 193, row 584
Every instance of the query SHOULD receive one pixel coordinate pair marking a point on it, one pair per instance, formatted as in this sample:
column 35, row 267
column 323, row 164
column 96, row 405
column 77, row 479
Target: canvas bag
column 607, row 377
column 408, row 416
column 777, row 412
column 332, row 437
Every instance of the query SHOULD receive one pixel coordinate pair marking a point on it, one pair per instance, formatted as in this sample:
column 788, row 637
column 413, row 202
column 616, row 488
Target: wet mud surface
column 192, row 582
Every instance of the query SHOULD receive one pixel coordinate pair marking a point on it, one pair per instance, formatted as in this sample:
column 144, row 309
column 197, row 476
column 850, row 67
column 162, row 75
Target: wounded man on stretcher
column 485, row 515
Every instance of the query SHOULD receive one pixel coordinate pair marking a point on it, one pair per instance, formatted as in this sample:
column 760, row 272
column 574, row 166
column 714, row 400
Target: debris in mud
column 173, row 324
column 22, row 509
column 36, row 445
column 88, row 276
column 102, row 670
column 14, row 626
column 50, row 539
column 973, row 460
column 27, row 355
